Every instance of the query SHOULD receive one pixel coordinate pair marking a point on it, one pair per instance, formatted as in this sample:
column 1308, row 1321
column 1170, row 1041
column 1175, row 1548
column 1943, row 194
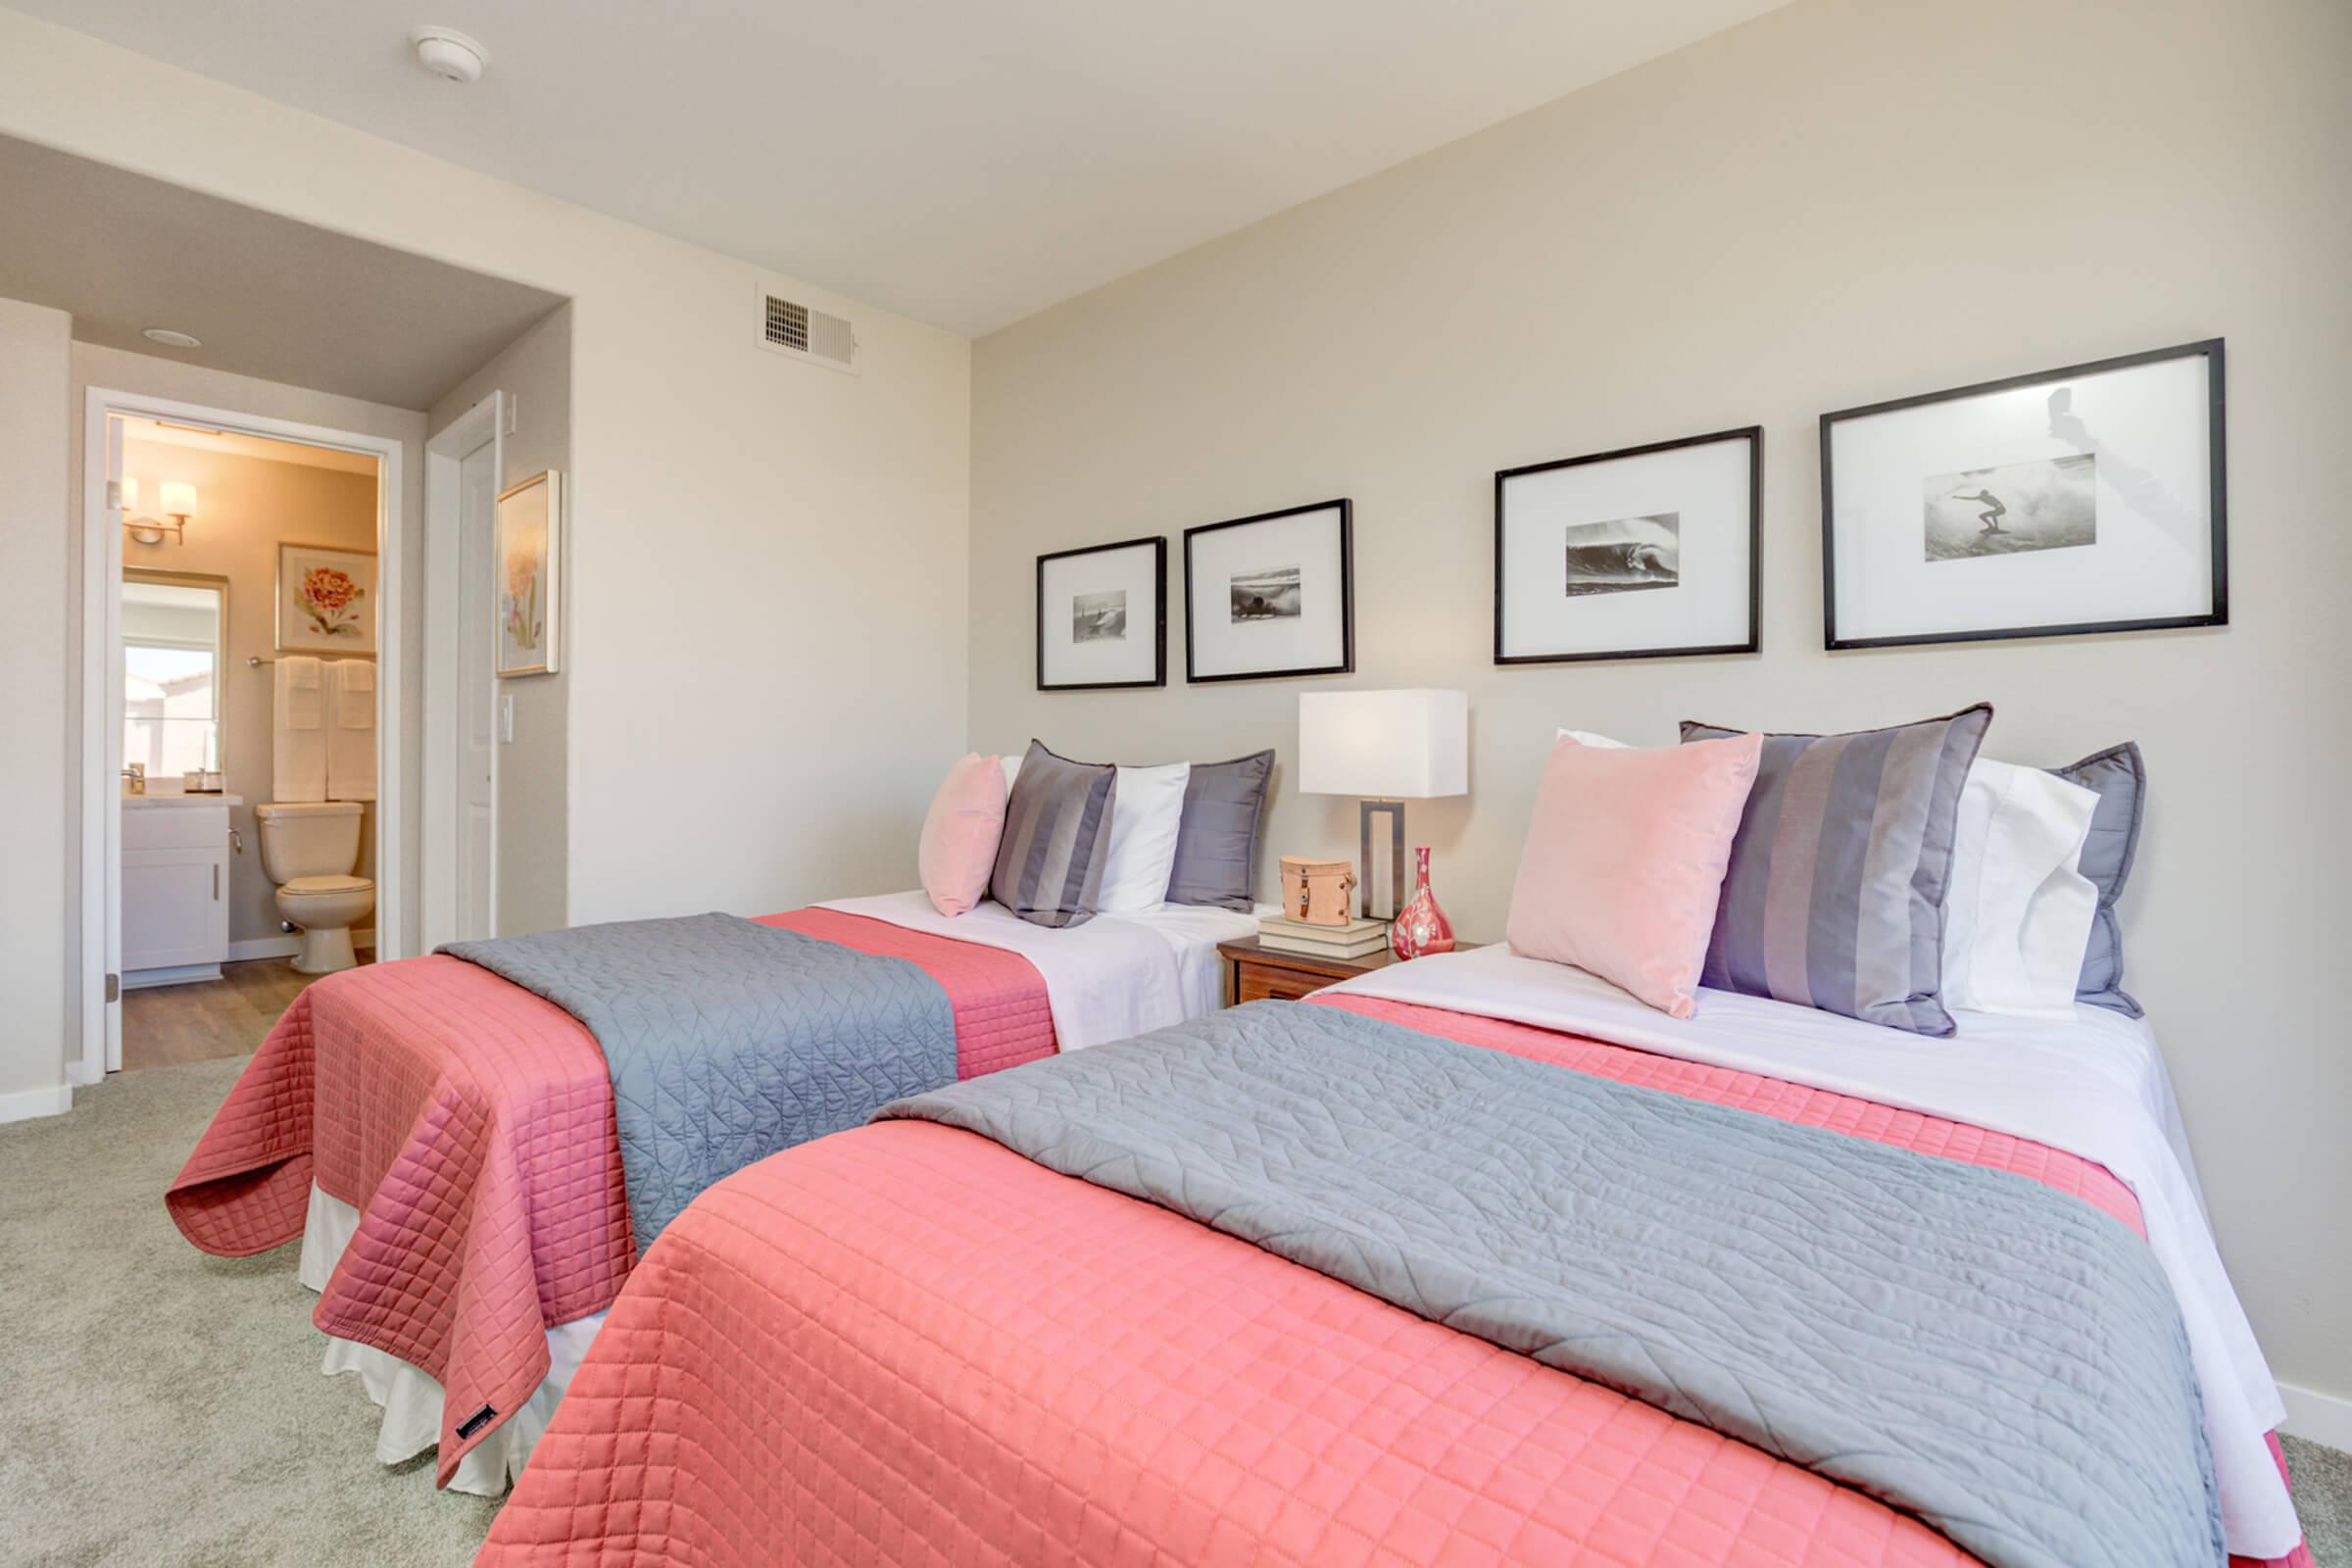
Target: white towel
column 351, row 735
column 297, row 732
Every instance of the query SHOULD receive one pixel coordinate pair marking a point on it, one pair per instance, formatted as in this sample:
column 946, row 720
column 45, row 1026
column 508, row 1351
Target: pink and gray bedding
column 1835, row 897
column 471, row 1124
column 2119, row 776
column 1964, row 1344
column 1216, row 846
column 1049, row 862
column 727, row 1039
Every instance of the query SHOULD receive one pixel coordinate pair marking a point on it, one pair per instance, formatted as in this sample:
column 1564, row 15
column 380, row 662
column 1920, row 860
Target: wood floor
column 165, row 1025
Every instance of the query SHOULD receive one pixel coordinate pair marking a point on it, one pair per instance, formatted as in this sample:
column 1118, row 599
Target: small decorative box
column 1317, row 892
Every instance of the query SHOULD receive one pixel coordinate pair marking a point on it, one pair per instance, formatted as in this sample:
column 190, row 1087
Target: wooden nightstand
column 1253, row 973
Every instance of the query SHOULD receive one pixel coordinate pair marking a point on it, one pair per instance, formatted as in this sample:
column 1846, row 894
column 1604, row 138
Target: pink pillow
column 960, row 835
column 1625, row 861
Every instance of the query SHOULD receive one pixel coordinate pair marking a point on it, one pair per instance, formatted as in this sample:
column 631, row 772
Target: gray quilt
column 728, row 1040
column 1966, row 1345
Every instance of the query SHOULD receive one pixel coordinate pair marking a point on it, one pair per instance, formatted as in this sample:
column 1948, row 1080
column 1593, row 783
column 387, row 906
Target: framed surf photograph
column 1103, row 616
column 1648, row 552
column 1271, row 595
column 2066, row 502
column 530, row 517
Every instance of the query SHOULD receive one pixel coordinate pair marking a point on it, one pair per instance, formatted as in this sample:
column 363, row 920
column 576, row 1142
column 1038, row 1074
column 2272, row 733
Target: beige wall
column 247, row 505
column 535, row 374
column 34, row 370
column 767, row 614
column 1838, row 203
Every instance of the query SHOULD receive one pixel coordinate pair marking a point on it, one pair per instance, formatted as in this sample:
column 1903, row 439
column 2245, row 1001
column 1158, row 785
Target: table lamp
column 1387, row 748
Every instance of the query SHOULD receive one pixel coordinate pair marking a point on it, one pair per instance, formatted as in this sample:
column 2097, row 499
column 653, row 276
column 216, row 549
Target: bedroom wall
column 36, row 347
column 767, row 560
column 534, row 793
column 1838, row 203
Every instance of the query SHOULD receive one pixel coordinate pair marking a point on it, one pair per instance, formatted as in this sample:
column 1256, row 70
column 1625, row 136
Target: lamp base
column 1374, row 906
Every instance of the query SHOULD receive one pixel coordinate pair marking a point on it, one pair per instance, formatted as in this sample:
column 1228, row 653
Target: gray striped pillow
column 1048, row 867
column 1834, row 896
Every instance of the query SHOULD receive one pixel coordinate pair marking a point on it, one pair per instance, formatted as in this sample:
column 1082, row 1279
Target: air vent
column 787, row 326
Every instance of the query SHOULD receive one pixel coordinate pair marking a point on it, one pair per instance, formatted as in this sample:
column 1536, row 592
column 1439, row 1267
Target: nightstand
column 1253, row 973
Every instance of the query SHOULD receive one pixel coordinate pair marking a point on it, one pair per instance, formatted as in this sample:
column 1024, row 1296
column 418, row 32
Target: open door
column 111, row 704
column 465, row 467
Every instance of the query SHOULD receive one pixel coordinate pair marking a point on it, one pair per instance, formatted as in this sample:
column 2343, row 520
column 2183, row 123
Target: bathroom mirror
column 175, row 643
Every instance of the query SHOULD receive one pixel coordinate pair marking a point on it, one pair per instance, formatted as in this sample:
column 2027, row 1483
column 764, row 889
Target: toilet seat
column 316, row 886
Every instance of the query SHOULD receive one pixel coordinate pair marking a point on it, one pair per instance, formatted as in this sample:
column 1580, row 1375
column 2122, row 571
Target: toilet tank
column 308, row 838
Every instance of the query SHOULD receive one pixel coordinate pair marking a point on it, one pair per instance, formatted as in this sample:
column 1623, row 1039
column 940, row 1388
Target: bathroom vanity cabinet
column 174, row 888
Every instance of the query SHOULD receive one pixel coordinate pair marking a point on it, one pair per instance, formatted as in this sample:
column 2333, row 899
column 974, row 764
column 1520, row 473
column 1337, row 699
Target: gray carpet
column 161, row 1407
column 165, row 1407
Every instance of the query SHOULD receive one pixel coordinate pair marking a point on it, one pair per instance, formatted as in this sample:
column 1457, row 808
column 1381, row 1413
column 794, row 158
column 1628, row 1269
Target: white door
column 477, row 695
column 111, row 838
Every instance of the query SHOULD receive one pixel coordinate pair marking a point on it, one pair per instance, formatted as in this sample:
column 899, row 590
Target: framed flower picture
column 326, row 601
column 1646, row 552
column 1271, row 595
column 2066, row 502
column 530, row 517
column 1103, row 616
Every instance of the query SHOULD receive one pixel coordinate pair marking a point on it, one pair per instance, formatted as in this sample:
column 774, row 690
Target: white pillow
column 1012, row 766
column 2017, row 915
column 1585, row 737
column 1146, row 810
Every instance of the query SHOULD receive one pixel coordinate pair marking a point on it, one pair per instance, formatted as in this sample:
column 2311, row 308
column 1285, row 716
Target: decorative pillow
column 1012, row 770
column 1056, row 836
column 1625, row 858
column 1217, row 843
column 2119, row 776
column 2016, row 914
column 960, row 832
column 1146, row 815
column 1837, row 878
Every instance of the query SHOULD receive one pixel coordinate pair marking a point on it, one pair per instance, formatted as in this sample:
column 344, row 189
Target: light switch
column 506, row 719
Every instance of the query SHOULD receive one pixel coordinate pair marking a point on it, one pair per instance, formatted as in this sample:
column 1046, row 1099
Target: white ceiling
column 266, row 296
column 233, row 444
column 967, row 163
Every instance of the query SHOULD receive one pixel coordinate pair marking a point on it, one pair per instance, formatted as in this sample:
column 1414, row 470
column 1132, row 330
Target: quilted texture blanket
column 907, row 1344
column 728, row 1040
column 471, row 1124
column 1966, row 1346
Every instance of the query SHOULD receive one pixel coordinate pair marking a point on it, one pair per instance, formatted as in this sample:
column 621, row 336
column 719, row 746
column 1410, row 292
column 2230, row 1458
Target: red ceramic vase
column 1421, row 927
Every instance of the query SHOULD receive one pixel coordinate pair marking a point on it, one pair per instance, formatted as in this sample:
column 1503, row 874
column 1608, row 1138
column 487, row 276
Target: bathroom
column 248, row 573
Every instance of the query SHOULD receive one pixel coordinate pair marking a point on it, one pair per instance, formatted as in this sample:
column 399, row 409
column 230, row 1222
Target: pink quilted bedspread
column 906, row 1345
column 471, row 1124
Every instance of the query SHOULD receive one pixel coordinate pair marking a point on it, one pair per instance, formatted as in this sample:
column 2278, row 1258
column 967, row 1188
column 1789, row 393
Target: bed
column 443, row 1143
column 910, row 1343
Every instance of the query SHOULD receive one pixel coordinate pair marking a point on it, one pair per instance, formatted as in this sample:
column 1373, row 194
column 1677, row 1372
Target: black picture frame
column 1752, row 643
column 1159, row 617
column 2217, row 502
column 1347, row 663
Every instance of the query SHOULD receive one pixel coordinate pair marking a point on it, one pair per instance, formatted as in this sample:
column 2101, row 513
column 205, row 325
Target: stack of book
column 1357, row 939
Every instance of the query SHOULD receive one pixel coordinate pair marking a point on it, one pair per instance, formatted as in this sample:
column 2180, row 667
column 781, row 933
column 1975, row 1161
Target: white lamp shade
column 1399, row 745
column 178, row 498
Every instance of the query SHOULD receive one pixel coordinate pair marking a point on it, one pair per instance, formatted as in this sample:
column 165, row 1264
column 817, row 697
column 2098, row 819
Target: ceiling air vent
column 787, row 326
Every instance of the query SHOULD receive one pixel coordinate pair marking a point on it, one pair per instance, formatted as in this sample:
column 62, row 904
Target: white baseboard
column 284, row 946
column 2316, row 1417
column 181, row 974
column 25, row 1103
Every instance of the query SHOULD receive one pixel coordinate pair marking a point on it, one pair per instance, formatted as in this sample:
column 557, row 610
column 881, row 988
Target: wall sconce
column 178, row 504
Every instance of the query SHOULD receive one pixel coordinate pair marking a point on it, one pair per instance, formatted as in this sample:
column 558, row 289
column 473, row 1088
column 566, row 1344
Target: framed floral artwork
column 529, row 519
column 326, row 601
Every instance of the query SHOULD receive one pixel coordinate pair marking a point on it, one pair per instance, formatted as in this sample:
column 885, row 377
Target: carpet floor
column 165, row 1409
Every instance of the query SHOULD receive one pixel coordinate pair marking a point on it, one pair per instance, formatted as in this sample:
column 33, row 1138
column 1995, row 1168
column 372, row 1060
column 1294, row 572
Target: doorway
column 465, row 718
column 186, row 622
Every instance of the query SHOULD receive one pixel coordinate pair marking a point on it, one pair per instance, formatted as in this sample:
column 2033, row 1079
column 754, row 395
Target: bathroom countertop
column 148, row 803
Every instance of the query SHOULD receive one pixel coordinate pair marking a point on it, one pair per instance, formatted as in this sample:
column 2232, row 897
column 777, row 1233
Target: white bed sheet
column 1115, row 976
column 2093, row 1085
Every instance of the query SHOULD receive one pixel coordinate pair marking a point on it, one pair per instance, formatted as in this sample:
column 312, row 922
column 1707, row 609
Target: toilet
column 308, row 849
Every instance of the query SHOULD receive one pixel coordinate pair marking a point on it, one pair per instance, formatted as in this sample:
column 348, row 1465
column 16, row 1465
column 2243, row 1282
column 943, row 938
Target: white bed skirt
column 410, row 1400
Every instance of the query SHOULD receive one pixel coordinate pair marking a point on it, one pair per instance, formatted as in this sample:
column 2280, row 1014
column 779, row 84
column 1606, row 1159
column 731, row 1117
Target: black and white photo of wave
column 1269, row 595
column 1098, row 617
column 1625, row 554
column 2046, row 504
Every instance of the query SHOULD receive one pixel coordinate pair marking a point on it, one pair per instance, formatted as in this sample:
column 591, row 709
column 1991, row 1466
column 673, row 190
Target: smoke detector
column 449, row 54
